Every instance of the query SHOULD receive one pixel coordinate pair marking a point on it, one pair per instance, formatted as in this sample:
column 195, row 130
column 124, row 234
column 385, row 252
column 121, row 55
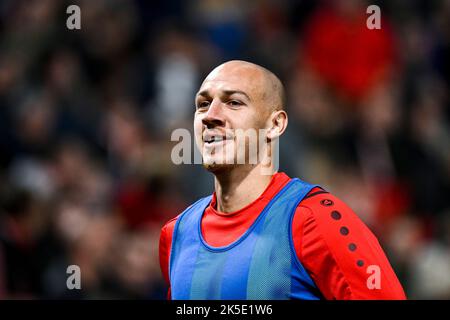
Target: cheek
column 250, row 121
column 198, row 126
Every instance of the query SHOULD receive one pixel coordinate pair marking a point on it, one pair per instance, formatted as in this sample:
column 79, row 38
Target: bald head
column 239, row 107
column 261, row 82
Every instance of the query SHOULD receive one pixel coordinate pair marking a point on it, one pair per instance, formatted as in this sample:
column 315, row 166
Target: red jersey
column 339, row 252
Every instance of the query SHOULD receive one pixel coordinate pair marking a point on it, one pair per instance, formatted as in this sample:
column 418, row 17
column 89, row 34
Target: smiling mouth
column 215, row 139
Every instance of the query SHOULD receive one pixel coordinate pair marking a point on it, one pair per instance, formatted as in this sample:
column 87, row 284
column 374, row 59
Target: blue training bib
column 260, row 265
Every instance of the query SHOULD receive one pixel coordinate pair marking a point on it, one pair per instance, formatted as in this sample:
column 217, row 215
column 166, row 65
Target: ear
column 277, row 124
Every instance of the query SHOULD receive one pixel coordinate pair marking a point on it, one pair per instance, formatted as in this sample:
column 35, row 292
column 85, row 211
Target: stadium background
column 86, row 118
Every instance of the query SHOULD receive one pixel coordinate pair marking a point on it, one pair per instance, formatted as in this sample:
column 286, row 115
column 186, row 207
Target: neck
column 239, row 187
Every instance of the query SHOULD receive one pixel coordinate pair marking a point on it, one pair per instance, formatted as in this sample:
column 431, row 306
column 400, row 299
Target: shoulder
column 335, row 223
column 165, row 237
column 169, row 226
column 319, row 200
column 338, row 249
column 327, row 208
column 334, row 218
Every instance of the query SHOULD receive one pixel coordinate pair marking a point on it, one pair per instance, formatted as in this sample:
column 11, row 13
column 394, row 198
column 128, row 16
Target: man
column 259, row 235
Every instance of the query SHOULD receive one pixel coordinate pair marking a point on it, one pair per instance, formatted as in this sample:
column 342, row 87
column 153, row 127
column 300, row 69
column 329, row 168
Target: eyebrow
column 205, row 93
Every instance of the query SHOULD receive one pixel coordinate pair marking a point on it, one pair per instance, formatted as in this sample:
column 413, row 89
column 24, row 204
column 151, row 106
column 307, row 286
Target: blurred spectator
column 86, row 118
column 346, row 54
column 22, row 222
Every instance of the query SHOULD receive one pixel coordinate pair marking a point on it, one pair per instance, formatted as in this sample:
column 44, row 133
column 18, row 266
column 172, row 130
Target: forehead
column 249, row 80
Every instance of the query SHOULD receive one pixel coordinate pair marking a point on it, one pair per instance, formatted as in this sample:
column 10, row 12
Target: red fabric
column 318, row 242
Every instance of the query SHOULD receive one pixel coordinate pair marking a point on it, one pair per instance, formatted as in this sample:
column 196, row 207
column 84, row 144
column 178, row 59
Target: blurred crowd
column 86, row 118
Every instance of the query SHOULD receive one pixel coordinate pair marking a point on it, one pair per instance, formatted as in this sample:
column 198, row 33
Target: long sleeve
column 340, row 253
column 165, row 245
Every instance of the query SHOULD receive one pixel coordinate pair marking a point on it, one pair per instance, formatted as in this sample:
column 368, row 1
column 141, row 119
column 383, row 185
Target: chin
column 215, row 167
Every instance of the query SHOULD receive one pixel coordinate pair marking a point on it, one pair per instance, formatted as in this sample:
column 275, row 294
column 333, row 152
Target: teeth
column 215, row 139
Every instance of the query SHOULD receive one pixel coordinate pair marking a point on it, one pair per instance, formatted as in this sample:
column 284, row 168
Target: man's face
column 230, row 98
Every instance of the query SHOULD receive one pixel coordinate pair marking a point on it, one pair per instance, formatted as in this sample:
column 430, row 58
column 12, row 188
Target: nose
column 214, row 116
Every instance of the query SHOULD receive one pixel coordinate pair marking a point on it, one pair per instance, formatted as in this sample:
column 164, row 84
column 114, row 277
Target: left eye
column 234, row 103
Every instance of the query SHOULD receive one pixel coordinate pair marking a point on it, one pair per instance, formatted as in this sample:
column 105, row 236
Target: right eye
column 203, row 104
